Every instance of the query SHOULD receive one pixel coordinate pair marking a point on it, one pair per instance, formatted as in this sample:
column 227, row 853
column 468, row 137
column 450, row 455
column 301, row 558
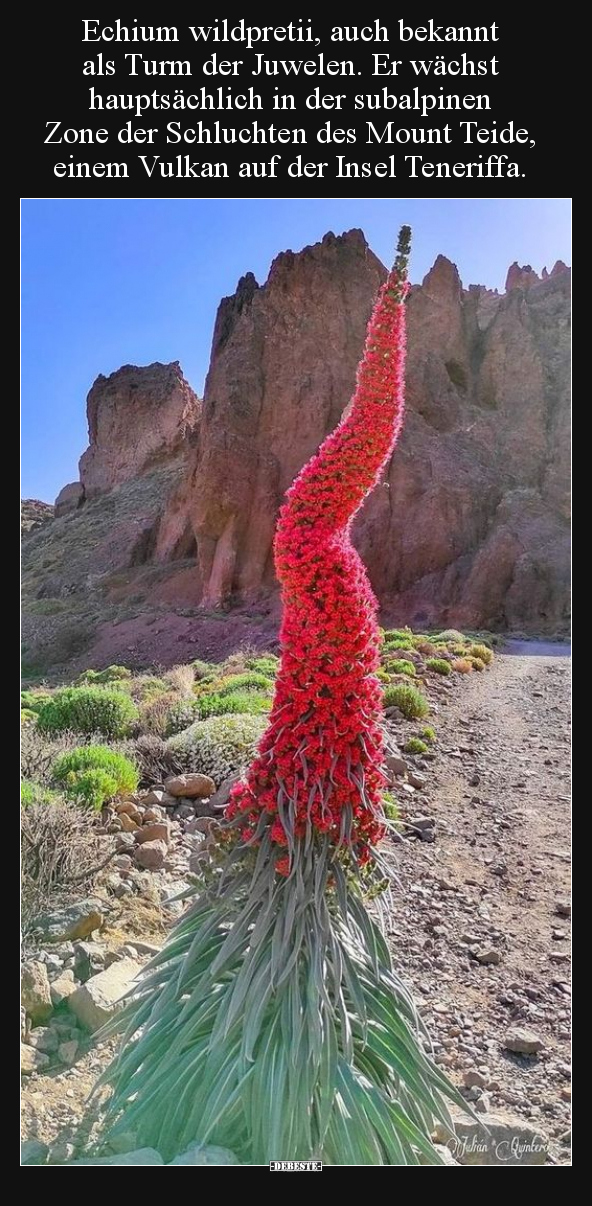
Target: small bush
column 218, row 747
column 179, row 715
column 33, row 701
column 91, row 788
column 146, row 687
column 382, row 675
column 110, row 675
column 408, row 699
column 390, row 806
column 72, row 771
column 34, row 793
column 425, row 647
column 450, row 634
column 477, row 663
column 414, row 745
column 396, row 643
column 27, row 716
column 249, row 681
column 397, row 634
column 88, row 710
column 400, row 666
column 39, row 752
column 180, row 679
column 483, row 653
column 61, row 857
column 267, row 664
column 154, row 714
column 462, row 665
column 202, row 669
column 153, row 758
column 438, row 665
column 428, row 734
column 237, row 702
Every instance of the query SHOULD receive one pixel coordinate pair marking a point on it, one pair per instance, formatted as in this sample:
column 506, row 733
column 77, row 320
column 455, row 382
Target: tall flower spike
column 272, row 1022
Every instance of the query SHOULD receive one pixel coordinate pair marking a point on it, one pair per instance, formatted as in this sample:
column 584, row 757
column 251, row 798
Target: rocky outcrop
column 137, row 419
column 470, row 523
column 69, row 499
column 34, row 514
column 469, row 527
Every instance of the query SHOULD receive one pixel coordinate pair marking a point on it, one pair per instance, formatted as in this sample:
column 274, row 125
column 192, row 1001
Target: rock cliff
column 470, row 523
column 174, row 514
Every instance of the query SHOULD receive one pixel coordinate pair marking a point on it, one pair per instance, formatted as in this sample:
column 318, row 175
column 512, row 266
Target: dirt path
column 496, row 878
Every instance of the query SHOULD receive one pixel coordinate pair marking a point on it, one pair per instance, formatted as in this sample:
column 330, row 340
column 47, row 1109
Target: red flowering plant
column 272, row 1022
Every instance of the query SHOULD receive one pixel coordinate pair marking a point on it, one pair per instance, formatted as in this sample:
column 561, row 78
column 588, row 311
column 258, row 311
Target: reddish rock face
column 137, row 418
column 470, row 524
column 69, row 499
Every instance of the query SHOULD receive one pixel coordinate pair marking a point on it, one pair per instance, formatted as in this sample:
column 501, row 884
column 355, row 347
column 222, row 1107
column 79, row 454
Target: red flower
column 323, row 749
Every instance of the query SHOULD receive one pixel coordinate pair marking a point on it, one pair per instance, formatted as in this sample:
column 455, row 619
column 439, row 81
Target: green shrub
column 408, row 699
column 110, row 675
column 450, row 634
column 33, row 701
column 76, row 773
column 88, row 710
column 382, row 675
column 396, row 643
column 203, row 669
column 34, row 793
column 146, row 687
column 90, row 788
column 438, row 665
column 218, row 747
column 483, row 653
column 267, row 664
column 180, row 715
column 414, row 745
column 477, row 663
column 390, row 806
column 397, row 634
column 400, row 666
column 428, row 734
column 27, row 716
column 235, row 702
column 250, row 681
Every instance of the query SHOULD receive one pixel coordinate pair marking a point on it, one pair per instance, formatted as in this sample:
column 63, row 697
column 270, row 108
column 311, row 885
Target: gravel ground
column 494, row 883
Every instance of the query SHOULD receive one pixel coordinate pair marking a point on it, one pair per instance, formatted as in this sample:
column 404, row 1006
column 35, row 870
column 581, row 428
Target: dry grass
column 462, row 665
column 154, row 714
column 61, row 857
column 181, row 679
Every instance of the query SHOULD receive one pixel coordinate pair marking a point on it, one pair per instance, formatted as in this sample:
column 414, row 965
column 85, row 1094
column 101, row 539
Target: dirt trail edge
column 481, row 922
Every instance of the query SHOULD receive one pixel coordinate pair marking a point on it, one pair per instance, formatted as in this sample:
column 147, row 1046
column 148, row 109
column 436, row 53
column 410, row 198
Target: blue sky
column 107, row 283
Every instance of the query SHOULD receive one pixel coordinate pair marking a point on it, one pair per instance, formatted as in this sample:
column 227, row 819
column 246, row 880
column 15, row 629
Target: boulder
column 32, row 1060
column 75, row 921
column 522, row 1041
column 96, row 1002
column 157, row 831
column 36, row 991
column 70, row 498
column 151, row 855
column 190, row 785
